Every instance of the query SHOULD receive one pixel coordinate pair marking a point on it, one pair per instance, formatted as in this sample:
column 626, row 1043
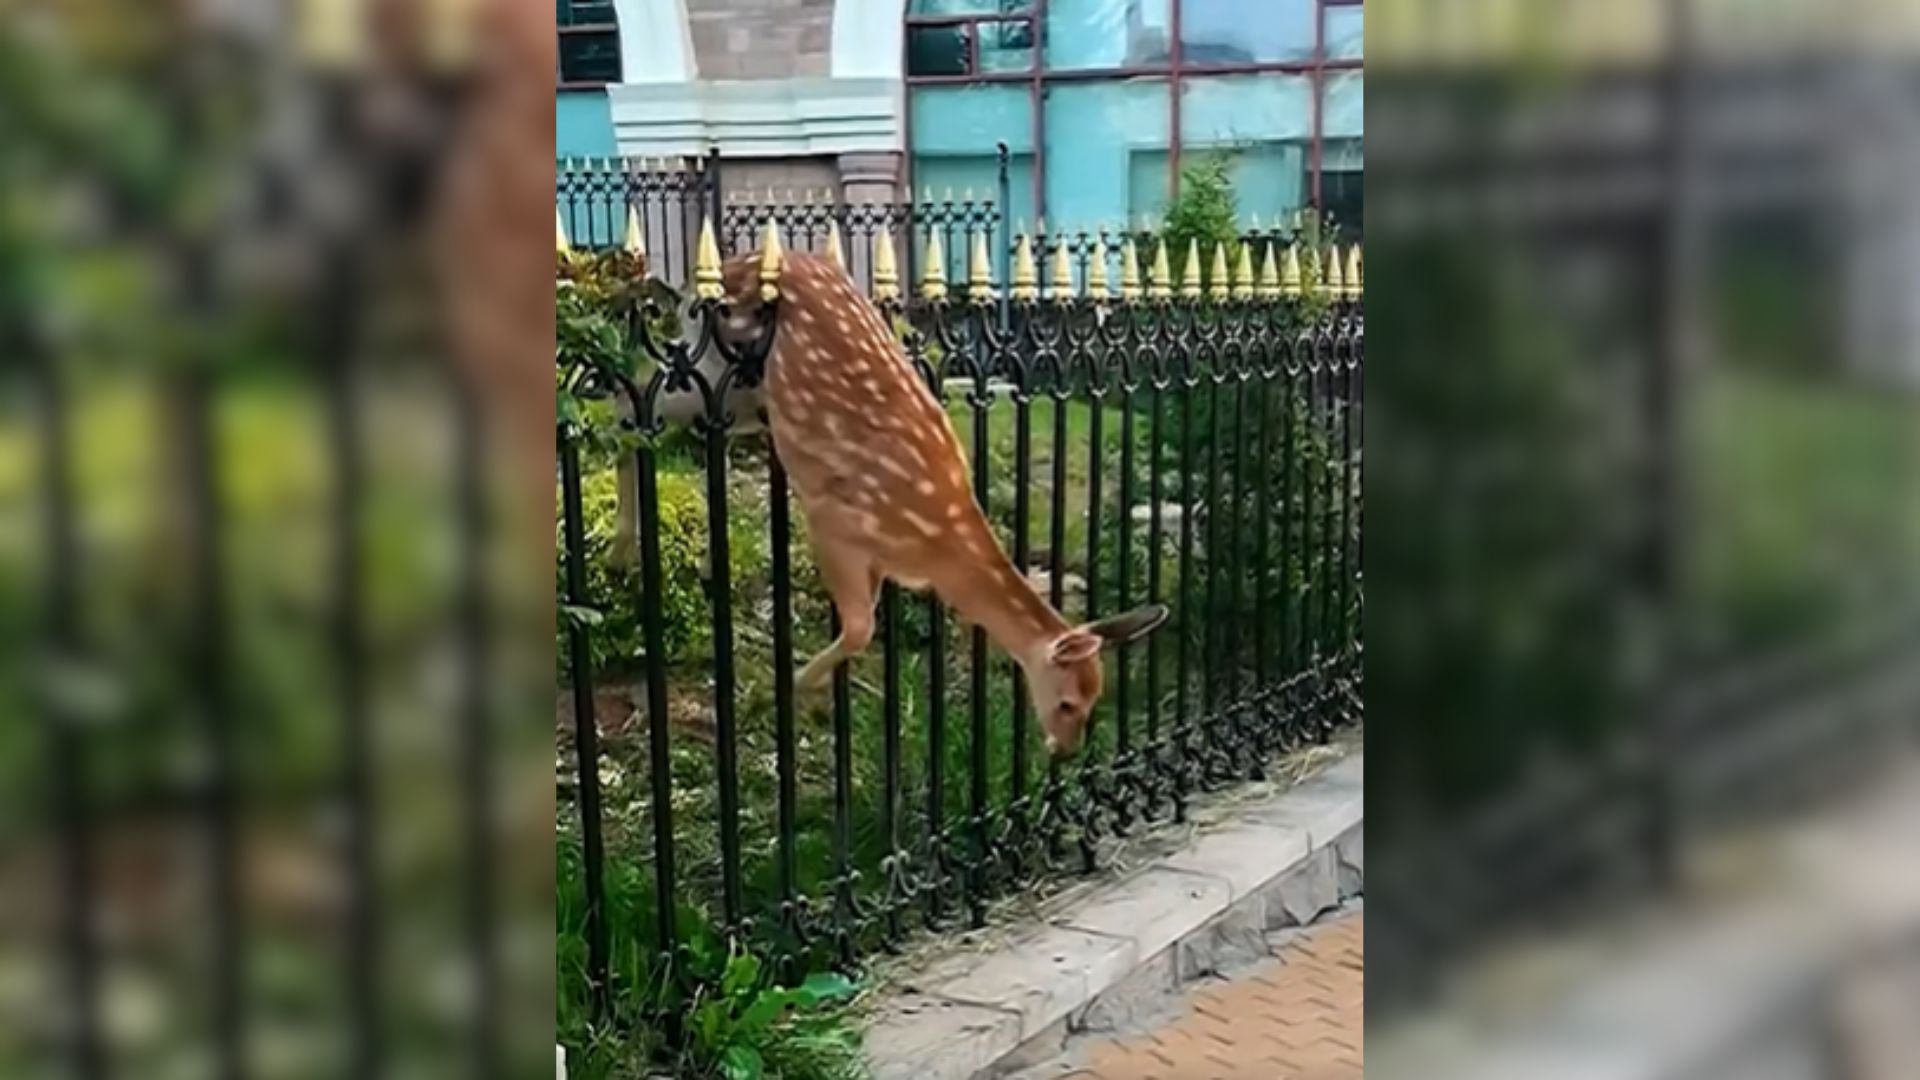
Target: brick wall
column 761, row 39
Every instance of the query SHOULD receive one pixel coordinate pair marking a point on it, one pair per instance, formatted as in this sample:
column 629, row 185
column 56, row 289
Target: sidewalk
column 1295, row 1017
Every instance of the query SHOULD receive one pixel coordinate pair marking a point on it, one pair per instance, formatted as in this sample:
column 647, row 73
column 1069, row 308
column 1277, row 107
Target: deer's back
column 868, row 449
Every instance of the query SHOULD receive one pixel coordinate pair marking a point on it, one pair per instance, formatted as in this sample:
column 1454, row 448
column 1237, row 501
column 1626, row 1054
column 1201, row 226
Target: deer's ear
column 1075, row 646
column 1128, row 626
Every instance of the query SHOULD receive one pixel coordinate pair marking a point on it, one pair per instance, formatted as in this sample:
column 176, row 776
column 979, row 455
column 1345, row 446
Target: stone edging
column 1119, row 949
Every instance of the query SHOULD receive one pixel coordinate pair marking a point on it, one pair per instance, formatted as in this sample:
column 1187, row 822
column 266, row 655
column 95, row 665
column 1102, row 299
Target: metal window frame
column 582, row 30
column 1175, row 71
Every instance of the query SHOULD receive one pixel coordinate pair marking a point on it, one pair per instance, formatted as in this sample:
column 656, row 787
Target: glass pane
column 1108, row 33
column 1147, row 186
column 1344, row 115
column 1006, row 46
column 968, row 7
column 590, row 57
column 1346, row 32
column 954, row 132
column 1264, row 124
column 937, row 50
column 1094, row 131
column 585, row 12
column 1239, row 32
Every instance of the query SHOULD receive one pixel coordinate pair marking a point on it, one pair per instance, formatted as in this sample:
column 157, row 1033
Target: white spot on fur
column 926, row 528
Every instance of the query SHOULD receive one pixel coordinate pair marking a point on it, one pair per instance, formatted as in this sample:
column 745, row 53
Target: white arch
column 867, row 38
column 655, row 44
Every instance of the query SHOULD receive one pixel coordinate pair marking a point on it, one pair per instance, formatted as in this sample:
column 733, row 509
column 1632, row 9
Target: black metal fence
column 655, row 208
column 1192, row 438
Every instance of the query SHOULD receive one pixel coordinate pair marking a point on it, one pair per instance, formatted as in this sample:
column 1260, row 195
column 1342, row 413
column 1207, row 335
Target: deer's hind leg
column 853, row 580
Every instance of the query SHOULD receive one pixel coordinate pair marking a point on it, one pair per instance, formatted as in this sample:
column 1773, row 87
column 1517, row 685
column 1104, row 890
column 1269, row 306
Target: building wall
column 583, row 125
column 762, row 39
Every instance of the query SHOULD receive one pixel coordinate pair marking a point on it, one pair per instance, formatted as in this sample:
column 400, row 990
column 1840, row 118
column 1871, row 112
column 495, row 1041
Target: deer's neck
column 992, row 594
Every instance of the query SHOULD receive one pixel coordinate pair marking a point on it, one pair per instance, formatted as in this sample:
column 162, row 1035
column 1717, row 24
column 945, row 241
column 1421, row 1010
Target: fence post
column 1002, row 238
column 716, row 199
column 585, row 735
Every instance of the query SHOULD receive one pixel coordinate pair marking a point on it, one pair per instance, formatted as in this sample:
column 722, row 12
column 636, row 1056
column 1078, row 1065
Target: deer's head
column 1066, row 679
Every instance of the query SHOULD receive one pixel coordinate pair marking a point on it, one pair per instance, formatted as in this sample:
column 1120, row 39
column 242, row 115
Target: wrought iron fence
column 1135, row 434
column 654, row 207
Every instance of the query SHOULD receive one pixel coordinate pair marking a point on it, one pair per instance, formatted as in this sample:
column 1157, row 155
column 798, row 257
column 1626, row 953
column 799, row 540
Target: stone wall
column 761, row 39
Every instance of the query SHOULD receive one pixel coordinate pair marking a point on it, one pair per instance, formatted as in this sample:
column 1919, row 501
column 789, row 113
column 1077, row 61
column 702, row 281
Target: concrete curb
column 1118, row 950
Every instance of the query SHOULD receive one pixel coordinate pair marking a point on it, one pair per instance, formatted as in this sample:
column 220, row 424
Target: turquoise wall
column 583, row 125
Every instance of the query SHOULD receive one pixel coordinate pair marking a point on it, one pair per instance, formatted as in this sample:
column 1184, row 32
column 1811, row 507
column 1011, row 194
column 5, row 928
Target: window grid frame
column 1175, row 71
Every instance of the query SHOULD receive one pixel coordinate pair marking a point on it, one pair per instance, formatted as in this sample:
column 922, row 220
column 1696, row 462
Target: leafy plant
column 1205, row 212
column 741, row 1031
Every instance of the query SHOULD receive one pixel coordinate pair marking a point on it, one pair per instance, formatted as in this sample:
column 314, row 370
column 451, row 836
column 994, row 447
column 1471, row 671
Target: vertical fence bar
column 785, row 762
column 1236, row 550
column 79, row 948
column 936, row 759
column 1156, row 436
column 1211, row 663
column 1263, row 498
column 1022, row 393
column 981, row 401
column 1060, row 393
column 1329, row 472
column 1311, row 424
column 586, row 735
column 1123, row 574
column 890, row 790
column 653, row 630
column 1183, row 662
column 842, row 805
column 726, row 746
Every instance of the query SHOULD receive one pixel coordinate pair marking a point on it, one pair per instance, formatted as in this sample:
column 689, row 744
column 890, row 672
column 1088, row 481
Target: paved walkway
column 1296, row 1017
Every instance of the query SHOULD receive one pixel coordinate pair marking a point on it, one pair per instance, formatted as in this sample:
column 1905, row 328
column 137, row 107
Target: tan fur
column 883, row 483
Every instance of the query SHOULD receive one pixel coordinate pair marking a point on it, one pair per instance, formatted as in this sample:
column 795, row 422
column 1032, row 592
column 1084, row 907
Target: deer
column 885, row 492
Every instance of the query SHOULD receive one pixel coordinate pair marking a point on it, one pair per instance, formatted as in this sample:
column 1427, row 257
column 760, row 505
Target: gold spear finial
column 1062, row 270
column 1190, row 274
column 560, row 244
column 635, row 242
column 834, row 253
column 706, row 264
column 1290, row 273
column 1353, row 273
column 1026, row 279
column 886, row 272
column 1160, row 282
column 1243, row 273
column 1269, row 287
column 1097, row 267
column 933, row 282
column 1331, row 284
column 1218, row 288
column 1129, row 272
column 772, row 258
column 980, row 275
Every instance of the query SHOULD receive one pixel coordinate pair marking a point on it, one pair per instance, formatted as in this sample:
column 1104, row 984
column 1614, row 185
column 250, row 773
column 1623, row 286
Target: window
column 1235, row 32
column 949, row 38
column 1119, row 90
column 589, row 42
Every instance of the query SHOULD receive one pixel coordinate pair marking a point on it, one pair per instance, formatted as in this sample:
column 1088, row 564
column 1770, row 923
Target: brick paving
column 1296, row 1017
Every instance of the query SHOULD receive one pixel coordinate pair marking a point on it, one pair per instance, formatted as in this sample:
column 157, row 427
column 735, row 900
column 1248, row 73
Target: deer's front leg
column 854, row 583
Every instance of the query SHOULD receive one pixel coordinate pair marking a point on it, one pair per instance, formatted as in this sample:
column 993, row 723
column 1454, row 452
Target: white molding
column 656, row 45
column 867, row 38
column 757, row 117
